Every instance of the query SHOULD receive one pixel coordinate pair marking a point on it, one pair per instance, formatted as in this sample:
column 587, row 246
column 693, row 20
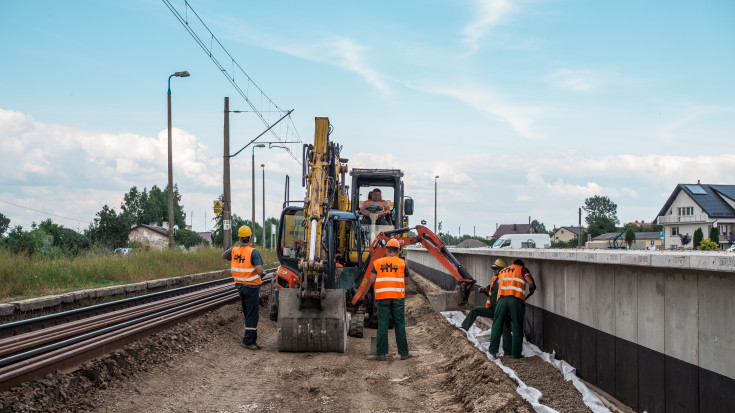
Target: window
column 674, row 231
column 686, row 211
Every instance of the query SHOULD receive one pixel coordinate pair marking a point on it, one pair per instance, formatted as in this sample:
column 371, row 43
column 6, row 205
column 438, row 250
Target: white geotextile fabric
column 481, row 340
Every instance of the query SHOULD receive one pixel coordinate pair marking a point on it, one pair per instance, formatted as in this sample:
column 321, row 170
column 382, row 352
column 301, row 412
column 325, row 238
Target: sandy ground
column 200, row 367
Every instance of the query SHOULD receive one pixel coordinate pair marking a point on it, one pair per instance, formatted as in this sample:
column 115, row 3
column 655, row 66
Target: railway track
column 32, row 348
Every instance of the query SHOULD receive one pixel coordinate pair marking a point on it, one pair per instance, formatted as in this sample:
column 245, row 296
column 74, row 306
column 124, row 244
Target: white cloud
column 489, row 13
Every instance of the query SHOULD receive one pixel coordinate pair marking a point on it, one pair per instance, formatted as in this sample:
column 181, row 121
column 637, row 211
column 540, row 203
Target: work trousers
column 514, row 308
column 250, row 299
column 486, row 312
column 386, row 308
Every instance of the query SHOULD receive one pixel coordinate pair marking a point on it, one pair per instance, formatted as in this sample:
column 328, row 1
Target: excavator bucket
column 308, row 328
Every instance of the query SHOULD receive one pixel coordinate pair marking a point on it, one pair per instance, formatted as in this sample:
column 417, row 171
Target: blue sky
column 523, row 108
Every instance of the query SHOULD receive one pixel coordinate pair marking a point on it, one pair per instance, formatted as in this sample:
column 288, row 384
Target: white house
column 693, row 206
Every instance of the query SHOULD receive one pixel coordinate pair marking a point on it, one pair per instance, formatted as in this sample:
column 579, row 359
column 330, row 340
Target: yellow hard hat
column 499, row 263
column 244, row 232
column 393, row 243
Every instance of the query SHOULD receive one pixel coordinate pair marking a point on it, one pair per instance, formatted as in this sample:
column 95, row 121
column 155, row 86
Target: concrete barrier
column 653, row 328
column 52, row 301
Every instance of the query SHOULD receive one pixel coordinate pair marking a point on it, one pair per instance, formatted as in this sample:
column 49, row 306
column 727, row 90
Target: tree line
column 110, row 228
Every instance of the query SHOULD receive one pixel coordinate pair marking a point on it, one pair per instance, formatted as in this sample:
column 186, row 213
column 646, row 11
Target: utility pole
column 579, row 237
column 227, row 206
column 263, row 166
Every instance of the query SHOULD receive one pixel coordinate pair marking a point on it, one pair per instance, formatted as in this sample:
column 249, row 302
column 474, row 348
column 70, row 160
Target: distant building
column 150, row 236
column 566, row 234
column 639, row 224
column 693, row 206
column 512, row 229
column 206, row 235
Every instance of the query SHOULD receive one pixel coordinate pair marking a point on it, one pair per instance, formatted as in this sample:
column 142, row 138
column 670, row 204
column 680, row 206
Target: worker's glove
column 484, row 291
column 530, row 292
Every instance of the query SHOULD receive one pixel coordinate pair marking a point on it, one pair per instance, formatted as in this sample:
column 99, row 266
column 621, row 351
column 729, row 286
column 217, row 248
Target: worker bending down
column 511, row 303
column 390, row 294
column 246, row 269
column 490, row 304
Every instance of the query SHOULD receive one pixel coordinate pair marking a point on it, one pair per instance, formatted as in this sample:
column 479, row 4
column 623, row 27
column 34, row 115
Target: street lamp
column 260, row 145
column 263, row 166
column 171, row 242
column 435, row 178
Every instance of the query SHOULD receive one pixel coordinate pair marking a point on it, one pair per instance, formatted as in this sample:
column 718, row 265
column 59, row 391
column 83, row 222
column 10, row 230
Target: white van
column 523, row 241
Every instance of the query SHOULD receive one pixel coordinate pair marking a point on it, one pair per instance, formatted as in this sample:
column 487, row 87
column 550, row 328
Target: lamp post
column 171, row 242
column 263, row 166
column 252, row 222
column 435, row 178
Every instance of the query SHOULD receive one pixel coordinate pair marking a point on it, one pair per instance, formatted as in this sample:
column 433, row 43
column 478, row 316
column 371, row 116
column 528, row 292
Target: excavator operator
column 375, row 205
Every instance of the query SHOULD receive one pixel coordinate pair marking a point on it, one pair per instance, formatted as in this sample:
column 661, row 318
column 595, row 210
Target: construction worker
column 489, row 309
column 375, row 205
column 511, row 303
column 390, row 293
column 246, row 269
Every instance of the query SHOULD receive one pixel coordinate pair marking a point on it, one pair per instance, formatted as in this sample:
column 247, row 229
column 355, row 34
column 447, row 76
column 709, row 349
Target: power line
column 44, row 212
column 230, row 74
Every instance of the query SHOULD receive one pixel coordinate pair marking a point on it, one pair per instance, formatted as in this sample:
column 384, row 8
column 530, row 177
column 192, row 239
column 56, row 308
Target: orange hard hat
column 393, row 243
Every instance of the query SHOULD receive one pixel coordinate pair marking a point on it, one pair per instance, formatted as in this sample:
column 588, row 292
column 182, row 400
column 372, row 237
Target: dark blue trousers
column 250, row 299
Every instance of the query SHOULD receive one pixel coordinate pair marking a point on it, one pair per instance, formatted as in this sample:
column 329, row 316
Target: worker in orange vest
column 390, row 293
column 489, row 309
column 246, row 270
column 512, row 282
column 375, row 204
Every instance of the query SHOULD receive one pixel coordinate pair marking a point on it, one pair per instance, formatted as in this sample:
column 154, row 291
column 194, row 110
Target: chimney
column 164, row 225
column 515, row 227
column 697, row 181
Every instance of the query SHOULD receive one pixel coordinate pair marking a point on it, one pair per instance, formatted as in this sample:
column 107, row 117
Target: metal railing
column 674, row 219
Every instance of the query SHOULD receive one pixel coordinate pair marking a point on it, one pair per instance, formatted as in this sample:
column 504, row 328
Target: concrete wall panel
column 605, row 293
column 571, row 290
column 626, row 303
column 681, row 316
column 587, row 295
column 651, row 310
column 716, row 324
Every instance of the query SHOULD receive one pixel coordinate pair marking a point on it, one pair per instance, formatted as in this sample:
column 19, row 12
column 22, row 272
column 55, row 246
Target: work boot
column 406, row 356
column 378, row 357
column 250, row 346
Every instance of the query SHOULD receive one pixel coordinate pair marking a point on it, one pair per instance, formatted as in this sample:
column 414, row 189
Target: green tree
column 600, row 225
column 34, row 242
column 109, row 230
column 600, row 206
column 155, row 206
column 68, row 241
column 538, row 227
column 188, row 238
column 133, row 205
column 236, row 222
column 714, row 235
column 268, row 234
column 4, row 224
column 697, row 238
column 629, row 236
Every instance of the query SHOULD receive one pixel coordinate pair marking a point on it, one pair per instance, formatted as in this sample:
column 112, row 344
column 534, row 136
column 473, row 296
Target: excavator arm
column 432, row 243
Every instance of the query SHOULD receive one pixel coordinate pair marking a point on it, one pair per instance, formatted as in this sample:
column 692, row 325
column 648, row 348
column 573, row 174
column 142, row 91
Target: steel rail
column 67, row 354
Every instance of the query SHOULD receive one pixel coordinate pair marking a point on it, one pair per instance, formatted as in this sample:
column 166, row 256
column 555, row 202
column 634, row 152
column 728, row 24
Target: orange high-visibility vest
column 243, row 271
column 489, row 301
column 512, row 282
column 390, row 278
column 382, row 204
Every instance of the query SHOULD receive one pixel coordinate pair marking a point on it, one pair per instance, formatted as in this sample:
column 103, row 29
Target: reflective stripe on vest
column 242, row 270
column 389, row 279
column 512, row 282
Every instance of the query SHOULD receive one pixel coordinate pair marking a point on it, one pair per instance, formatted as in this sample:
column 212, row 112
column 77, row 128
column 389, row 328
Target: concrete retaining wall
column 653, row 328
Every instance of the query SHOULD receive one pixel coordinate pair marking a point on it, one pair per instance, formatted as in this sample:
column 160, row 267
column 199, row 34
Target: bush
column 572, row 243
column 709, row 245
column 188, row 238
column 697, row 239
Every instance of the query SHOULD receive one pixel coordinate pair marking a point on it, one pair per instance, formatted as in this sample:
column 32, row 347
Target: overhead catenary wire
column 44, row 212
column 184, row 20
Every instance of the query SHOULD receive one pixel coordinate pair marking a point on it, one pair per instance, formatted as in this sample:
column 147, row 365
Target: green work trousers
column 387, row 308
column 514, row 308
column 486, row 312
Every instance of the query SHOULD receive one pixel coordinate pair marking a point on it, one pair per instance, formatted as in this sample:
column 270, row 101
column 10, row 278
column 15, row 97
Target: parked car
column 123, row 251
column 523, row 241
column 731, row 249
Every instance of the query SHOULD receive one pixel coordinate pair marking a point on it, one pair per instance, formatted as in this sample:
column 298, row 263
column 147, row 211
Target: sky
column 523, row 108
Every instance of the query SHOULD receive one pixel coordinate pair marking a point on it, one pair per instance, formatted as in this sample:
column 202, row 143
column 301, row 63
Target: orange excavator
column 432, row 243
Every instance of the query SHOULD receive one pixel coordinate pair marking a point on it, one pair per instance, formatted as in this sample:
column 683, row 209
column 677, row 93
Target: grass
column 23, row 277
